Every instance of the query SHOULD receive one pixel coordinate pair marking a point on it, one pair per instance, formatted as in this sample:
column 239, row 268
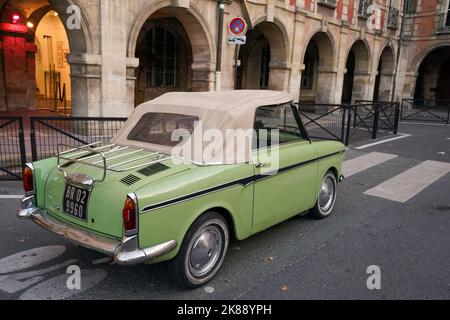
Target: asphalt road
column 299, row 259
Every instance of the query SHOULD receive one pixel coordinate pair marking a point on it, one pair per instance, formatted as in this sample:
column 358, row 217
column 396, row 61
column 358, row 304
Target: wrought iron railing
column 393, row 17
column 363, row 9
column 444, row 22
column 328, row 3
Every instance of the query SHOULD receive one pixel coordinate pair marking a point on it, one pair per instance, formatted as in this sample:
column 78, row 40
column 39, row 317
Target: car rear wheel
column 202, row 252
column 326, row 198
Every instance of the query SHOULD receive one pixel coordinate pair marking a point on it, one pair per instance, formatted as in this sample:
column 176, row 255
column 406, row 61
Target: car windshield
column 157, row 128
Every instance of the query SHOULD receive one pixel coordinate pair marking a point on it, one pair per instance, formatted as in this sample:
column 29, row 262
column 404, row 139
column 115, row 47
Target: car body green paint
column 185, row 191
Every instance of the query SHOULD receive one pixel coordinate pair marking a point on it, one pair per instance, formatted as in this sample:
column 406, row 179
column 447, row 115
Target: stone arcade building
column 113, row 54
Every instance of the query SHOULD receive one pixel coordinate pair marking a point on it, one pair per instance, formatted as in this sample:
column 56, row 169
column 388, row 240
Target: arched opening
column 317, row 76
column 347, row 91
column 262, row 59
column 52, row 68
column 385, row 76
column 356, row 78
column 433, row 79
column 167, row 59
column 34, row 55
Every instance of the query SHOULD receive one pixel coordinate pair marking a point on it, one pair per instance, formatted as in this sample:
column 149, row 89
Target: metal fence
column 47, row 133
column 350, row 123
column 422, row 110
column 12, row 148
column 347, row 123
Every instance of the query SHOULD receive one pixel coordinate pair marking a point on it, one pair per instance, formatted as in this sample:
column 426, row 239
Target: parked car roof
column 223, row 100
column 222, row 111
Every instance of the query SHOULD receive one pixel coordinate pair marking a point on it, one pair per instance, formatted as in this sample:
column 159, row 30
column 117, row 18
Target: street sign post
column 238, row 40
column 237, row 28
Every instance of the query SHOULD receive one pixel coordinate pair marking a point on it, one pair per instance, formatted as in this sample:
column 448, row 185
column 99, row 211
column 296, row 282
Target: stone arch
column 422, row 55
column 264, row 59
column 318, row 74
column 432, row 76
column 196, row 27
column 385, row 74
column 195, row 33
column 80, row 42
column 357, row 75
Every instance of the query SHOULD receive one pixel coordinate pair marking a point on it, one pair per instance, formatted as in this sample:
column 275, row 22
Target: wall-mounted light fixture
column 30, row 25
column 15, row 18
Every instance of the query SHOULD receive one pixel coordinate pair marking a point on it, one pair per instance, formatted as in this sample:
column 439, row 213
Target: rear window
column 157, row 128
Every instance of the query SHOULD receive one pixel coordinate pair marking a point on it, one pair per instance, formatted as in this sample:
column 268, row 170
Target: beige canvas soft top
column 218, row 110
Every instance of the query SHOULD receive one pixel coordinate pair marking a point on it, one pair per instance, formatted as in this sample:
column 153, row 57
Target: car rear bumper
column 125, row 252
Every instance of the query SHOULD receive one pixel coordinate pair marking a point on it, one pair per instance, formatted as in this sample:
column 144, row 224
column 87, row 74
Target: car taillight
column 28, row 184
column 129, row 214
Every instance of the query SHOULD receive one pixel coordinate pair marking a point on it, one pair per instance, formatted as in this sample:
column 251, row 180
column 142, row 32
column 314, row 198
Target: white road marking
column 406, row 185
column 29, row 258
column 16, row 282
column 359, row 164
column 11, row 196
column 56, row 288
column 426, row 123
column 401, row 136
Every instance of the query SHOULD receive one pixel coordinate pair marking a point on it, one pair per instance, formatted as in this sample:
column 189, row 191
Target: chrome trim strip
column 75, row 149
column 133, row 160
column 121, row 155
column 143, row 165
column 104, row 160
column 244, row 182
column 125, row 252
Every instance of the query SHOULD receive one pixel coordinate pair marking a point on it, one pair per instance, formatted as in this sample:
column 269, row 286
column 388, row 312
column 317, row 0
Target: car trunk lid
column 129, row 170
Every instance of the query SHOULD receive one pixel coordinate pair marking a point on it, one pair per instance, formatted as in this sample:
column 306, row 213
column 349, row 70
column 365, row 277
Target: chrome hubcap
column 205, row 251
column 326, row 197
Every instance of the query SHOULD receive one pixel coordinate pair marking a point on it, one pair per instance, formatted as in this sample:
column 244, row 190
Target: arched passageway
column 433, row 78
column 34, row 54
column 356, row 78
column 385, row 76
column 174, row 55
column 262, row 59
column 317, row 76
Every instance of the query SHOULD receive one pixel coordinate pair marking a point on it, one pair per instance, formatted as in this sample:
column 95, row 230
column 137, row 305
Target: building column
column 86, row 79
column 385, row 89
column 203, row 77
column 326, row 80
column 361, row 83
column 279, row 76
column 116, row 89
column 297, row 65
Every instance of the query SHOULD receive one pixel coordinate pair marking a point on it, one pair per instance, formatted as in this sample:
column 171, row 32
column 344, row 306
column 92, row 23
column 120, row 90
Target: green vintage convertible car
column 186, row 173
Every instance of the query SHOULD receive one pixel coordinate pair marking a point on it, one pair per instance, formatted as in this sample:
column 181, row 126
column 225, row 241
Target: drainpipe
column 219, row 46
column 397, row 67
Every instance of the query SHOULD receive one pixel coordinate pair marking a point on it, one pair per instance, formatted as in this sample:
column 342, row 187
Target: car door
column 285, row 168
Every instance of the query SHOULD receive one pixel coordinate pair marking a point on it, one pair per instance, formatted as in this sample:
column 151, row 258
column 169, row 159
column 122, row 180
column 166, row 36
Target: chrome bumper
column 125, row 252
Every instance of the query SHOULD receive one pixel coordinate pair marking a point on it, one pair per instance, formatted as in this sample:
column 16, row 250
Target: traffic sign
column 240, row 40
column 238, row 26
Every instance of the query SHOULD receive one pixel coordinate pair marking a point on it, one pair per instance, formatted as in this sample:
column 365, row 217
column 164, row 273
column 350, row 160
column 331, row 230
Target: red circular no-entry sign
column 238, row 26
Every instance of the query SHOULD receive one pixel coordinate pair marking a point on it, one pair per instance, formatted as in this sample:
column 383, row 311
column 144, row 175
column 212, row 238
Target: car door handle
column 262, row 164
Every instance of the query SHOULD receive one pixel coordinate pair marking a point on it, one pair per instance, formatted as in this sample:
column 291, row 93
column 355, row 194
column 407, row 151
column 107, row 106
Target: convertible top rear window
column 157, row 128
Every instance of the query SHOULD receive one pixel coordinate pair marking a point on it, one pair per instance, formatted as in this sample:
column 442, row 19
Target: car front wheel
column 326, row 198
column 202, row 252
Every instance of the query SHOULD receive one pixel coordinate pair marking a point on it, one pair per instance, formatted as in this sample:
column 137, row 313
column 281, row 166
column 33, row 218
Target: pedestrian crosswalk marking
column 409, row 183
column 362, row 163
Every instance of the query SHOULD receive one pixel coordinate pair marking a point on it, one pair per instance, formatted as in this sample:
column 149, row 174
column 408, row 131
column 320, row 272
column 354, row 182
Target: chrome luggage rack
column 99, row 156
